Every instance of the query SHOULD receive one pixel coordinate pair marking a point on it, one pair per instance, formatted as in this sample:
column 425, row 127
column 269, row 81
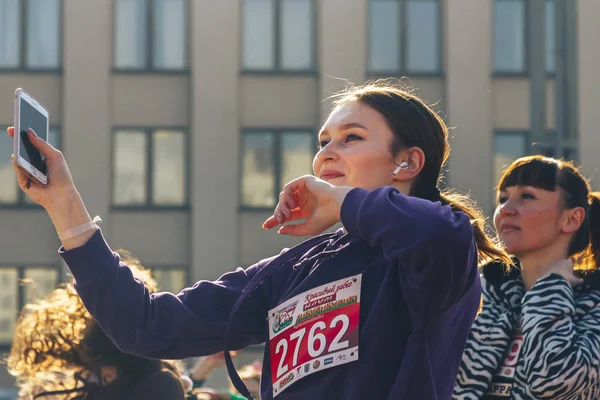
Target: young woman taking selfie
column 379, row 309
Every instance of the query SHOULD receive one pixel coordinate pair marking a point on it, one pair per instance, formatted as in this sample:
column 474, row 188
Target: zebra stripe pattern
column 560, row 356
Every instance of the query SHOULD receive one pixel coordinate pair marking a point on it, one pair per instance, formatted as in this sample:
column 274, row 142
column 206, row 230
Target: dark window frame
column 546, row 147
column 277, row 70
column 148, row 205
column 403, row 51
column 20, row 203
column 23, row 36
column 148, row 67
column 277, row 159
column 20, row 267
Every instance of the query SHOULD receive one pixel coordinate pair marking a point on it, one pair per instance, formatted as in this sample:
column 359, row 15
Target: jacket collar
column 498, row 273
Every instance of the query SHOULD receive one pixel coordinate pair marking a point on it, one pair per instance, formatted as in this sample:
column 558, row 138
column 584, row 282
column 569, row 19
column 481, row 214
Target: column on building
column 342, row 49
column 588, row 32
column 215, row 140
column 86, row 113
column 468, row 81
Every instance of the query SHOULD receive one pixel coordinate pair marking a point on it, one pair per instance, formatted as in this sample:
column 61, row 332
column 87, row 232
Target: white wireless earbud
column 403, row 165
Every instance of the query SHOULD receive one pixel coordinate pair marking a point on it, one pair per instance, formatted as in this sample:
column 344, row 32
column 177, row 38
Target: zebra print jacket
column 560, row 353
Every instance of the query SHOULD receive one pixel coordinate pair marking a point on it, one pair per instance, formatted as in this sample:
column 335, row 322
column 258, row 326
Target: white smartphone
column 30, row 113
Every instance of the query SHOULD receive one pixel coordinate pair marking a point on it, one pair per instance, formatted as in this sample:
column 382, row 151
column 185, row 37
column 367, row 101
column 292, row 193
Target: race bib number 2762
column 313, row 331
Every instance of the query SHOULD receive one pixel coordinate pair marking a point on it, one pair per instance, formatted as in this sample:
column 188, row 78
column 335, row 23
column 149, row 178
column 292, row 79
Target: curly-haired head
column 56, row 339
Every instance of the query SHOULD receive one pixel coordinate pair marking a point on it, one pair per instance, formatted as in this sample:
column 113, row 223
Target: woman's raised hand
column 60, row 183
column 309, row 198
column 59, row 197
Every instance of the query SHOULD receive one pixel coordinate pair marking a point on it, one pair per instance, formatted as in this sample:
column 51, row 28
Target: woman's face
column 355, row 144
column 528, row 219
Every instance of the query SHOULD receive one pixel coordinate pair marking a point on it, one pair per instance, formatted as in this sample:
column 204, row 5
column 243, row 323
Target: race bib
column 313, row 331
column 509, row 364
column 502, row 383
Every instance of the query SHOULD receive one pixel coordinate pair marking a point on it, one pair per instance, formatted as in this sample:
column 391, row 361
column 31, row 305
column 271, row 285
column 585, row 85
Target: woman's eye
column 349, row 138
column 352, row 137
column 527, row 196
column 502, row 200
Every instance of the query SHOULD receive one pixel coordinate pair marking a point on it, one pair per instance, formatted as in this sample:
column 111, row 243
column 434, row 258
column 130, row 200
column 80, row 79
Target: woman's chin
column 337, row 181
column 515, row 250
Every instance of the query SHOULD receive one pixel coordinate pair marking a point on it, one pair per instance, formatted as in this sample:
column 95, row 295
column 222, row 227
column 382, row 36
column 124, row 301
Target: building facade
column 181, row 119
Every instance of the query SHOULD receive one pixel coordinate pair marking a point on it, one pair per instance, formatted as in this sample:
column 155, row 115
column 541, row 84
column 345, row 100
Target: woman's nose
column 507, row 208
column 327, row 153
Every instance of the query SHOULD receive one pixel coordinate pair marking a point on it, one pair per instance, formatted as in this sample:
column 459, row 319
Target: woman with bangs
column 538, row 334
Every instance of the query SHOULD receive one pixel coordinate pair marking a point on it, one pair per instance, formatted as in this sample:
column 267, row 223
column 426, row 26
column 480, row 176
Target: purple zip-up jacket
column 420, row 294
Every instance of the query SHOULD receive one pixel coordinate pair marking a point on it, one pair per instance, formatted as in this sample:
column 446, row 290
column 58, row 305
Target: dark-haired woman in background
column 538, row 335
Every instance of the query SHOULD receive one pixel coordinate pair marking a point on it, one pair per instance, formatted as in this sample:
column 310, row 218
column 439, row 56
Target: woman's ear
column 573, row 219
column 409, row 163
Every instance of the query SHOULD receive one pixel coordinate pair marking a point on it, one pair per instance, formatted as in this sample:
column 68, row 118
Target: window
column 510, row 36
column 270, row 159
column 550, row 25
column 150, row 168
column 151, row 35
column 404, row 36
column 171, row 279
column 20, row 285
column 569, row 153
column 30, row 34
column 278, row 35
column 10, row 194
column 508, row 146
column 549, row 147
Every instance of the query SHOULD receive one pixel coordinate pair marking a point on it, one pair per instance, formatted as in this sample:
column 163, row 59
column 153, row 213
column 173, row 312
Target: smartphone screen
column 32, row 118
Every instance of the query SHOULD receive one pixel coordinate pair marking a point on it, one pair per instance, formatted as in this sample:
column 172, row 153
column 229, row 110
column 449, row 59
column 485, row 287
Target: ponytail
column 589, row 259
column 488, row 249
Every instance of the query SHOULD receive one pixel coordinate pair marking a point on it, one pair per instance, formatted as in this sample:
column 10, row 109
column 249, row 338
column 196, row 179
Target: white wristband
column 78, row 230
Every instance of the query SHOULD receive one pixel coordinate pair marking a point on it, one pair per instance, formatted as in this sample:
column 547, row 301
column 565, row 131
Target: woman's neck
column 536, row 265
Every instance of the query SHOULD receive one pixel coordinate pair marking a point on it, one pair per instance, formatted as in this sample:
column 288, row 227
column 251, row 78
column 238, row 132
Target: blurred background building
column 181, row 119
